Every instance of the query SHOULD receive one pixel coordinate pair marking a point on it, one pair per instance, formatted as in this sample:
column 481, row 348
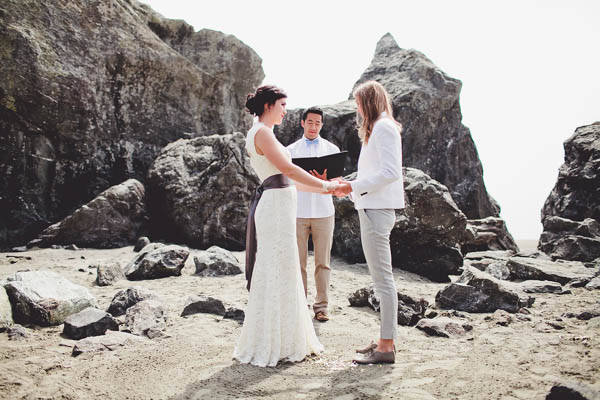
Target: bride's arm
column 267, row 143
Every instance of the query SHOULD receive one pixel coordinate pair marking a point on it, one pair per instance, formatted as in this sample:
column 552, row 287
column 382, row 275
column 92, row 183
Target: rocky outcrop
column 571, row 213
column 44, row 298
column 199, row 191
column 488, row 234
column 426, row 101
column 91, row 93
column 475, row 291
column 157, row 261
column 216, row 261
column 572, row 391
column 410, row 310
column 426, row 237
column 112, row 219
column 89, row 322
column 524, row 268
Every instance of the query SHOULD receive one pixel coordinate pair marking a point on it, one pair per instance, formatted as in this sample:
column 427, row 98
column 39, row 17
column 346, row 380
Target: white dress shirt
column 313, row 205
column 379, row 183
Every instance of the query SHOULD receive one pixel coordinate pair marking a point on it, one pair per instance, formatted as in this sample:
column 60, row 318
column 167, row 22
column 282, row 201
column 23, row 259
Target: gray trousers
column 375, row 228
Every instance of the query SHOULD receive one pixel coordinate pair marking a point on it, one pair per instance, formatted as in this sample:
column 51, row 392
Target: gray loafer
column 378, row 358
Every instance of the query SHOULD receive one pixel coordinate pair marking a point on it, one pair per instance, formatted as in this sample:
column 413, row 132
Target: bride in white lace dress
column 277, row 324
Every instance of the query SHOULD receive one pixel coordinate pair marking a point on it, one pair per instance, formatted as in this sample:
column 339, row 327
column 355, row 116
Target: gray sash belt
column 278, row 181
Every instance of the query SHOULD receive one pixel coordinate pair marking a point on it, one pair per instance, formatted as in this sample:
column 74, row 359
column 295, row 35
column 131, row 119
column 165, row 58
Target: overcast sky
column 530, row 70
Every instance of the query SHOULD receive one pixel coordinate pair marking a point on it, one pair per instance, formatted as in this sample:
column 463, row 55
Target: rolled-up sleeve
column 387, row 142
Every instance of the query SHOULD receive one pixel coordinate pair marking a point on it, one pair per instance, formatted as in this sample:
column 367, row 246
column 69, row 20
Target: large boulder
column 45, row 298
column 91, row 93
column 575, row 200
column 154, row 262
column 426, row 236
column 426, row 102
column 216, row 261
column 476, row 291
column 199, row 191
column 112, row 219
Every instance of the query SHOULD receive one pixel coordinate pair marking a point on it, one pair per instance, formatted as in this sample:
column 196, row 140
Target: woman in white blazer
column 377, row 191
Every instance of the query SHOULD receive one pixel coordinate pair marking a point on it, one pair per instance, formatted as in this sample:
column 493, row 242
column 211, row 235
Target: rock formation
column 91, row 93
column 426, row 101
column 571, row 213
column 199, row 191
column 112, row 219
column 426, row 237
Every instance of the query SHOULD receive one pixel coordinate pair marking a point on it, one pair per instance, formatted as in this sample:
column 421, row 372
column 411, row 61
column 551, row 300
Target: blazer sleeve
column 388, row 147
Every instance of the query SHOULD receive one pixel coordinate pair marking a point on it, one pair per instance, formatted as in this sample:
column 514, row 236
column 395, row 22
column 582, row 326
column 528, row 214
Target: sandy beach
column 519, row 361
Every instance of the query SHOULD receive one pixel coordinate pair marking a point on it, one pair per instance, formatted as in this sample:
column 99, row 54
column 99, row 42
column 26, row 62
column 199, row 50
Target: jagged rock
column 90, row 93
column 426, row 101
column 593, row 284
column 217, row 261
column 111, row 341
column 443, row 327
column 128, row 298
column 157, row 261
column 141, row 243
column 533, row 286
column 410, row 310
column 488, row 234
column 112, row 219
column 18, row 332
column 477, row 291
column 571, row 213
column 44, row 298
column 524, row 268
column 199, row 191
column 235, row 314
column 498, row 270
column 109, row 274
column 146, row 318
column 426, row 236
column 5, row 308
column 572, row 391
column 89, row 322
column 203, row 304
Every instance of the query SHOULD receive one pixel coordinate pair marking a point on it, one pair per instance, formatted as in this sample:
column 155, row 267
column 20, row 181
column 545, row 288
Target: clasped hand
column 342, row 188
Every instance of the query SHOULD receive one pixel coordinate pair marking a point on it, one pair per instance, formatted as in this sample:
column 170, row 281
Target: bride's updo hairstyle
column 267, row 94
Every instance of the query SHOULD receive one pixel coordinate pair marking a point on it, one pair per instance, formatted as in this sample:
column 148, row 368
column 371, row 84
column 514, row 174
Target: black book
column 333, row 163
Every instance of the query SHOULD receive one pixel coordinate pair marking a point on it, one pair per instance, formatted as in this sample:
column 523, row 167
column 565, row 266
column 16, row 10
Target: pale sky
column 530, row 70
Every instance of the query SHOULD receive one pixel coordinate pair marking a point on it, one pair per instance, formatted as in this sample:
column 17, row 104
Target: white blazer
column 379, row 183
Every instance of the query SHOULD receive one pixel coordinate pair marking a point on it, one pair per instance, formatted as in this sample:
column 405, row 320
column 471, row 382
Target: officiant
column 315, row 215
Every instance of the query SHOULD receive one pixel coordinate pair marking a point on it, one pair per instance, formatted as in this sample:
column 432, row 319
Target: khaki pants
column 322, row 236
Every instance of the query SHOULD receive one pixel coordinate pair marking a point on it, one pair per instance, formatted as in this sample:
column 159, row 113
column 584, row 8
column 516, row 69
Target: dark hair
column 313, row 110
column 267, row 94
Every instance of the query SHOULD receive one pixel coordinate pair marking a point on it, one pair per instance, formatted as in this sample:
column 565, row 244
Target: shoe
column 321, row 316
column 369, row 349
column 378, row 358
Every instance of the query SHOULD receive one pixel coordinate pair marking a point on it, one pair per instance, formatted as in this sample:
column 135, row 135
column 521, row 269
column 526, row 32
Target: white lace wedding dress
column 277, row 324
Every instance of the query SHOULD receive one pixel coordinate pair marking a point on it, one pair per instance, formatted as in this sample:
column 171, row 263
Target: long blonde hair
column 372, row 100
